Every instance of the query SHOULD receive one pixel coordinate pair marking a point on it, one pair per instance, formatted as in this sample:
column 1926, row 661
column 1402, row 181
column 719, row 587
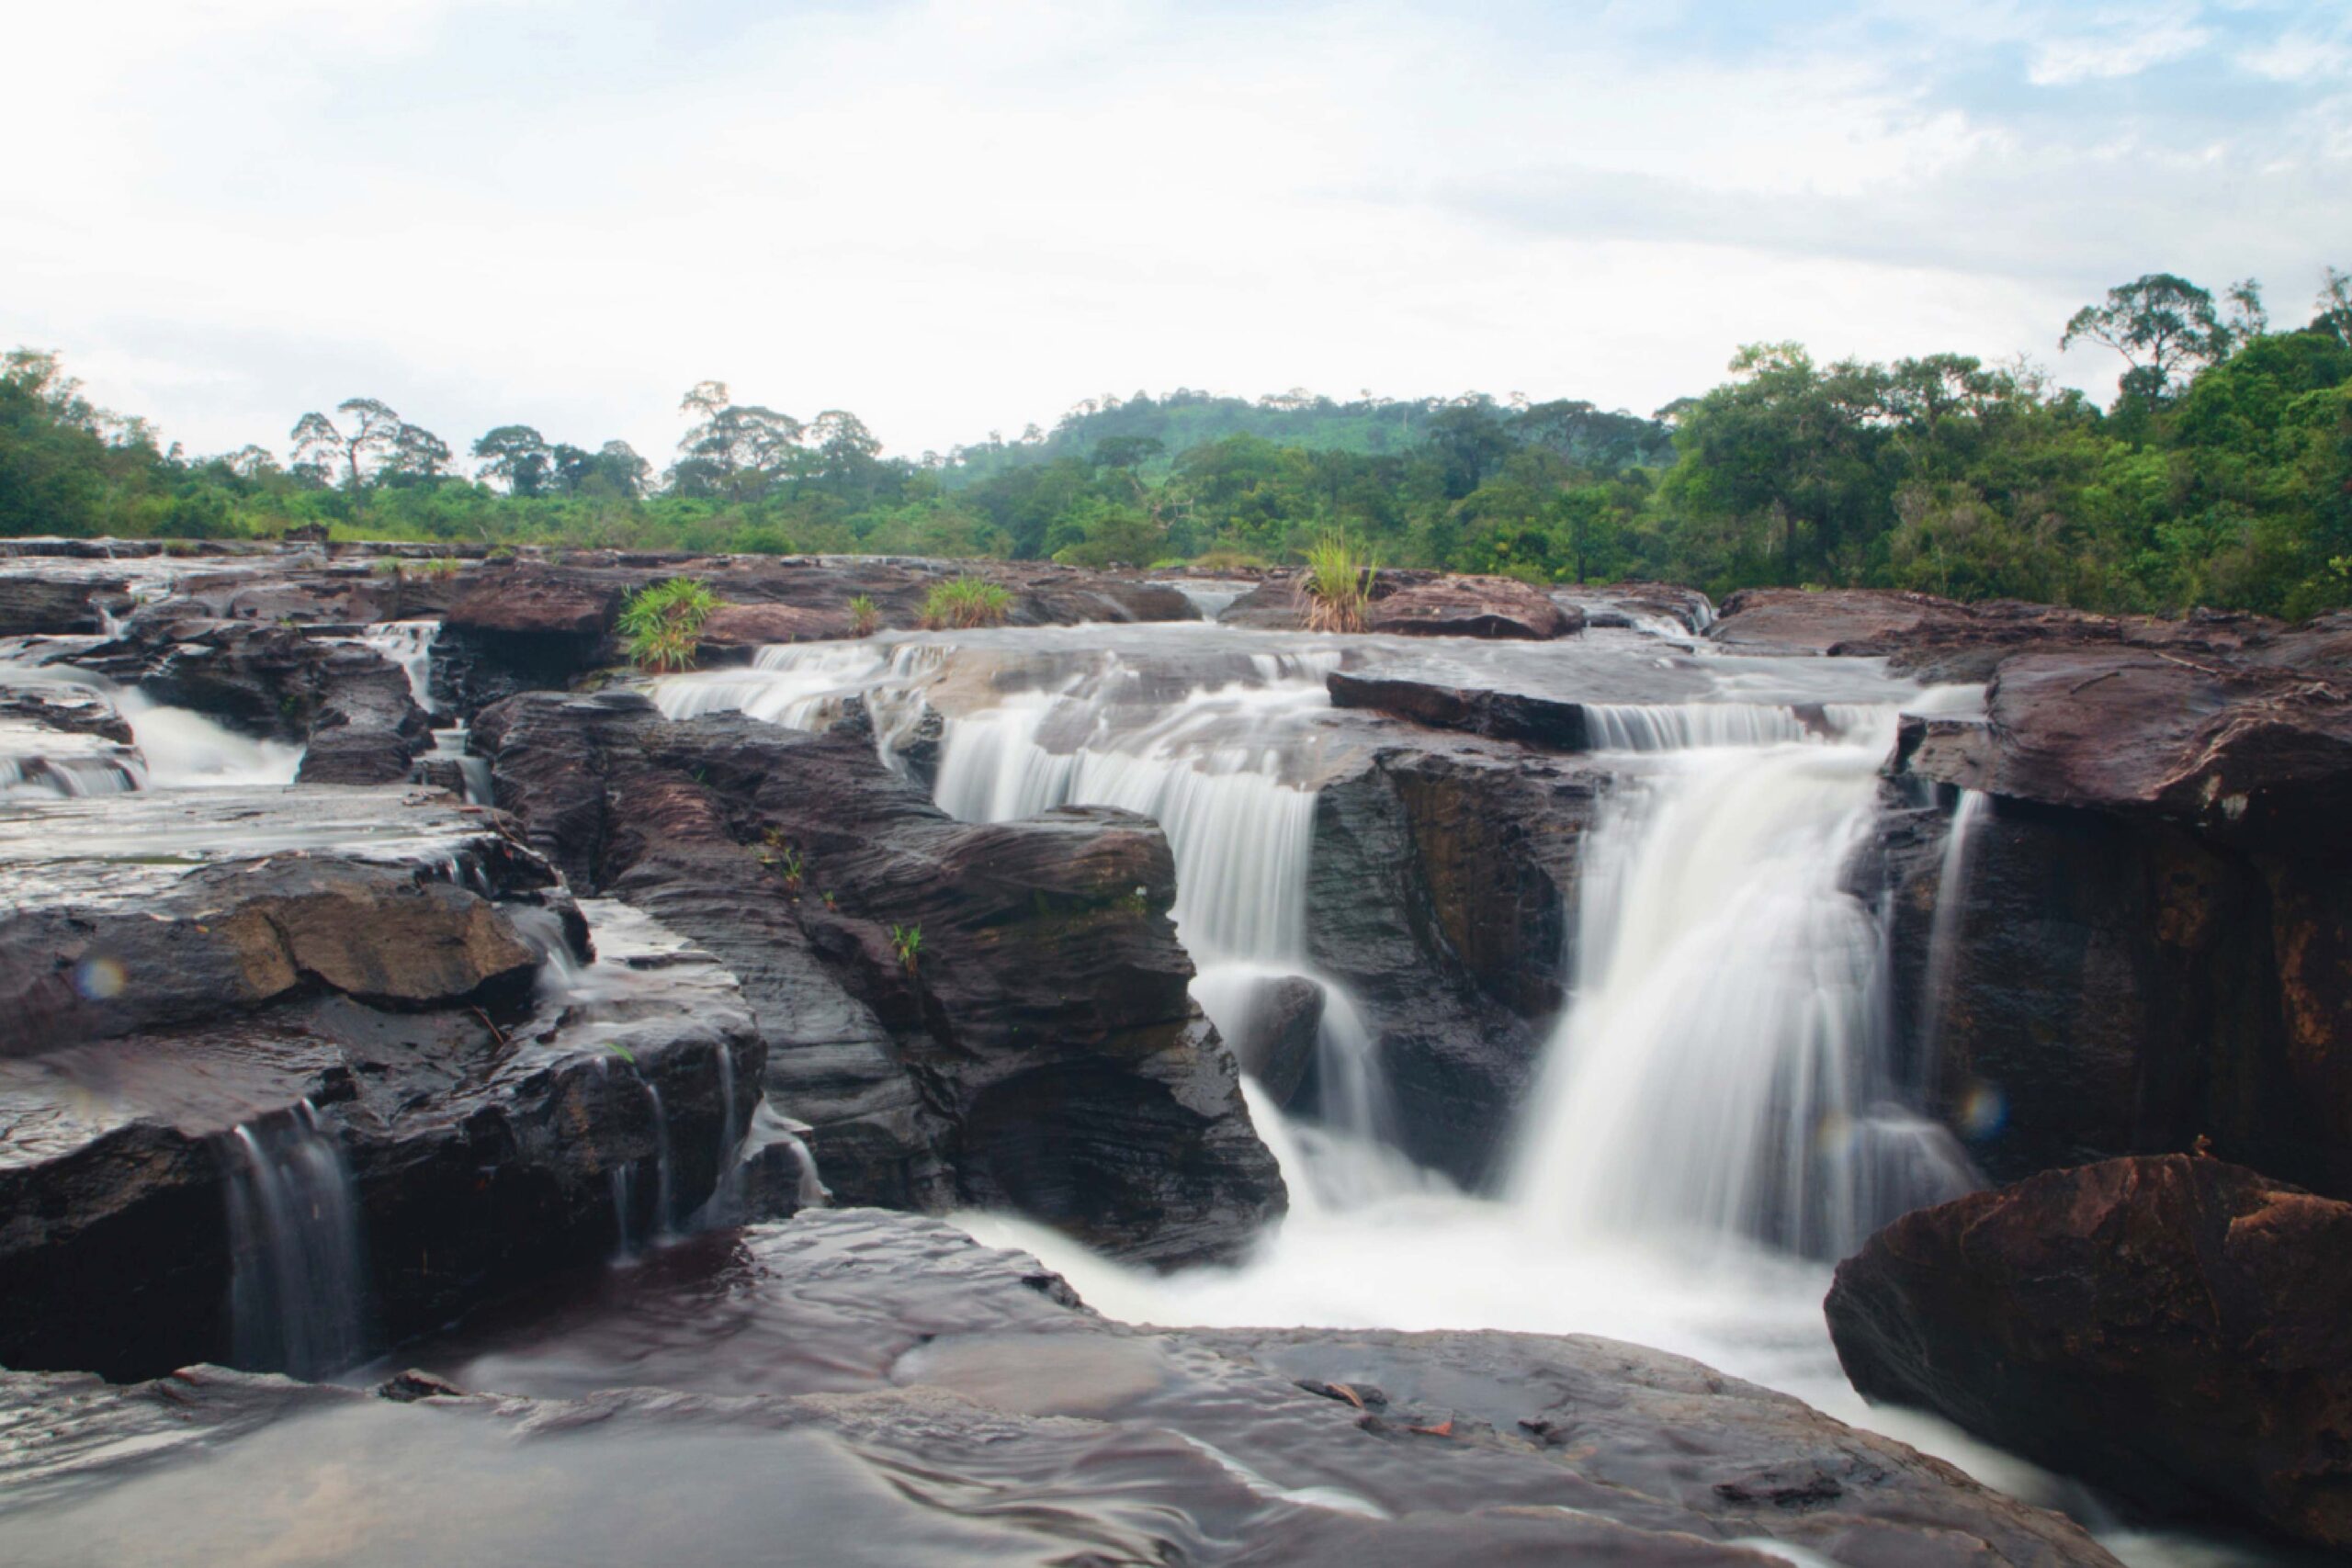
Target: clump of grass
column 435, row 566
column 384, row 566
column 907, row 942
column 783, row 857
column 1338, row 584
column 963, row 602
column 865, row 617
column 662, row 623
column 1227, row 560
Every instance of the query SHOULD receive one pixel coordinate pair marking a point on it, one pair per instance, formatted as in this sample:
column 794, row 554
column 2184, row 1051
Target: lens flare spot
column 1984, row 1110
column 99, row 979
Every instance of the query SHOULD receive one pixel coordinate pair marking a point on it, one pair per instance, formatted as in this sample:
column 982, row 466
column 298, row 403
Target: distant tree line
column 2219, row 474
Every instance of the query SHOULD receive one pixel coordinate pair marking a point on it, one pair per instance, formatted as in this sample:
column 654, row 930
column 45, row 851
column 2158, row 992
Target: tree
column 2164, row 325
column 2334, row 315
column 517, row 456
column 369, row 435
column 730, row 448
column 418, row 456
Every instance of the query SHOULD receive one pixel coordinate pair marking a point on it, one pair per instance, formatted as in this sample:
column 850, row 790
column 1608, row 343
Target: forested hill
column 1149, row 434
column 2219, row 474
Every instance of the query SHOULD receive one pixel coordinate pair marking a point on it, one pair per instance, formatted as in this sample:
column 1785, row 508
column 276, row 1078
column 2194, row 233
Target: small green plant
column 623, row 1052
column 662, row 623
column 384, row 566
column 1338, row 584
column 827, row 897
column 961, row 603
column 435, row 566
column 782, row 857
column 907, row 942
column 864, row 617
column 499, row 555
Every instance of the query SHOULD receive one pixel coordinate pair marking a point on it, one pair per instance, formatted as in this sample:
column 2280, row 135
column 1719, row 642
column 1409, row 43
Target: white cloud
column 956, row 216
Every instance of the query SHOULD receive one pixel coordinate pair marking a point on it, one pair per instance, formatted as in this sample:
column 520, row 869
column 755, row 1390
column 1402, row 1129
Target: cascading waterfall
column 408, row 644
column 1951, row 887
column 1207, row 768
column 186, row 750
column 1721, row 1067
column 298, row 1274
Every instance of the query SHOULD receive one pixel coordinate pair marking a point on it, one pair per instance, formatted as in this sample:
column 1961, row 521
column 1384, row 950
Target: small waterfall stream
column 408, row 644
column 297, row 1270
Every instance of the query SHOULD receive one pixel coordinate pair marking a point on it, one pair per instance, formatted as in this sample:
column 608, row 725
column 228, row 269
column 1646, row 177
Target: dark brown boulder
column 1499, row 716
column 1469, row 606
column 2177, row 1329
column 1439, row 893
column 537, row 602
column 49, row 605
column 1419, row 604
column 1274, row 1024
column 756, row 625
column 1845, row 621
column 991, row 1014
column 2257, row 758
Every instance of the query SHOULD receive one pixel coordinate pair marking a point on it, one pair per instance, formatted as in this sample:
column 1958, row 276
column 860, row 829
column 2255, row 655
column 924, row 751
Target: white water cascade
column 298, row 1274
column 1721, row 1068
column 1207, row 766
column 408, row 644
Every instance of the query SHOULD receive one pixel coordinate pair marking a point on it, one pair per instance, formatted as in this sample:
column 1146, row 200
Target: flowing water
column 298, row 1292
column 1717, row 1114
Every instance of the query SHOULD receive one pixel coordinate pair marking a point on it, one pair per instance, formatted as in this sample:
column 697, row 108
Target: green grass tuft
column 963, row 602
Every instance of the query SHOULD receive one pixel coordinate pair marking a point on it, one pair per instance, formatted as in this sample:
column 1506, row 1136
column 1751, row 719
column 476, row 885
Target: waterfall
column 297, row 1270
column 1943, row 931
column 186, row 750
column 1721, row 1066
column 408, row 644
column 73, row 777
column 1207, row 767
column 449, row 746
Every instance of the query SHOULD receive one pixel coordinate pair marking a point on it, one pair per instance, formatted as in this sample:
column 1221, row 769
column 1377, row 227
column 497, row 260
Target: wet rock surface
column 1499, row 716
column 969, row 1389
column 996, row 1014
column 2178, row 1329
column 1440, row 892
column 2253, row 757
column 51, row 604
column 350, row 978
column 1419, row 604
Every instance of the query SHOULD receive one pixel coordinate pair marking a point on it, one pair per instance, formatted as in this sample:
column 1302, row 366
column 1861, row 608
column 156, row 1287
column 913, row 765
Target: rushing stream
column 1717, row 1115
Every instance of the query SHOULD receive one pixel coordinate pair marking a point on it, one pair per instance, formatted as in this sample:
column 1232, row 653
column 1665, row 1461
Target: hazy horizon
column 952, row 220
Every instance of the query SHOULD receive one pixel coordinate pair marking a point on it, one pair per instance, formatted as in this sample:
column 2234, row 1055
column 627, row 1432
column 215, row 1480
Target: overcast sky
column 955, row 217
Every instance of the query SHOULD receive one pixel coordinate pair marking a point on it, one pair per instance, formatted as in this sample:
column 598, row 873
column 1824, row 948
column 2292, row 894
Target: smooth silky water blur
column 1715, row 1119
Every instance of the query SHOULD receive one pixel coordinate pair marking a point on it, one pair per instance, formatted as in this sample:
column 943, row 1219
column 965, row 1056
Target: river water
column 1717, row 1115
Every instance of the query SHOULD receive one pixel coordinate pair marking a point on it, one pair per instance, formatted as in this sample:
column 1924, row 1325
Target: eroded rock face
column 1444, row 606
column 987, row 1014
column 1276, row 1023
column 2250, row 757
column 1499, row 716
column 55, row 603
column 2177, row 1329
column 1440, row 893
column 366, row 981
column 353, row 706
column 1420, row 604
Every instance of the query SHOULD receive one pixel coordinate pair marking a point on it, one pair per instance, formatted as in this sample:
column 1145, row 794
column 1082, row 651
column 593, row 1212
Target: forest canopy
column 2220, row 474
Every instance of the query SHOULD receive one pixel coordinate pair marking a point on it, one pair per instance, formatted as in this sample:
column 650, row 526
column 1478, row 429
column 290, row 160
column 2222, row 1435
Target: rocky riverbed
column 397, row 980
